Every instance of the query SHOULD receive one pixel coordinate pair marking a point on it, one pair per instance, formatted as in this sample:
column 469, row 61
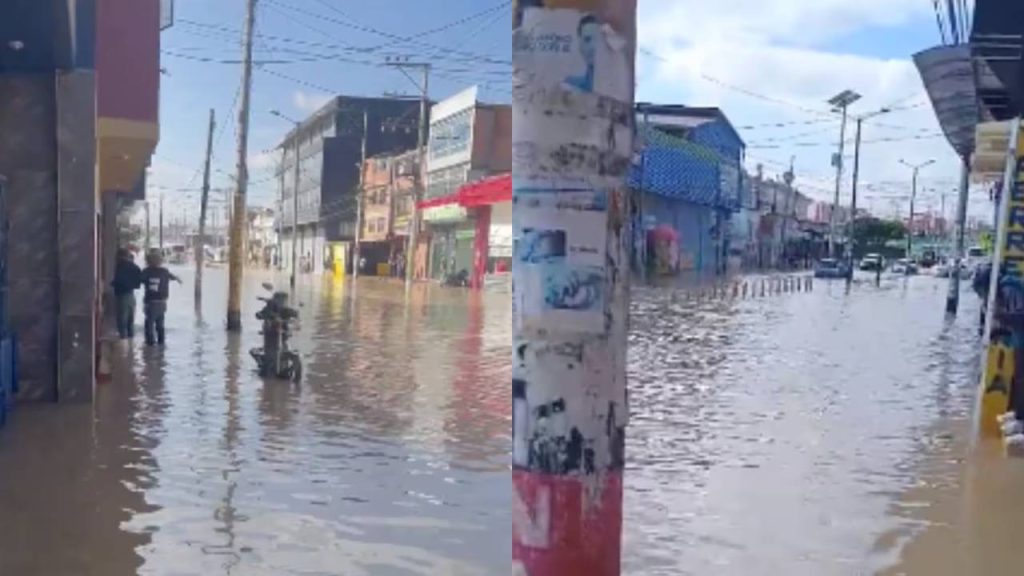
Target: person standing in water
column 127, row 278
column 156, row 282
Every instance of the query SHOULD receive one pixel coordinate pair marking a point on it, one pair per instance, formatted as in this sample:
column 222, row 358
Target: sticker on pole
column 559, row 272
column 574, row 50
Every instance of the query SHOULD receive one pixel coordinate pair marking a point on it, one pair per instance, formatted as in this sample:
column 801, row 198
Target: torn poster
column 572, row 49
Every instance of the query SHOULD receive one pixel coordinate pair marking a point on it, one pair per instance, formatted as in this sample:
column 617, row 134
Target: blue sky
column 795, row 54
column 333, row 33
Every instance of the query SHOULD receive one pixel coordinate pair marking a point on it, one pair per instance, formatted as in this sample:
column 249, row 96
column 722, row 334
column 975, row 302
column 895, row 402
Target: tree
column 872, row 234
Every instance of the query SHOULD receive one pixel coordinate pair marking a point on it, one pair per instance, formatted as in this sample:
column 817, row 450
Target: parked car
column 830, row 268
column 872, row 262
column 945, row 268
column 904, row 266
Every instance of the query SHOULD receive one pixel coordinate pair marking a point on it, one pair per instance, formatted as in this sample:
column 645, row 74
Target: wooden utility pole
column 201, row 236
column 569, row 408
column 359, row 200
column 238, row 220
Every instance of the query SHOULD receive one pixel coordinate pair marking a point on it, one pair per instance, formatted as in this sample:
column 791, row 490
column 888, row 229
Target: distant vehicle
column 830, row 268
column 904, row 266
column 872, row 262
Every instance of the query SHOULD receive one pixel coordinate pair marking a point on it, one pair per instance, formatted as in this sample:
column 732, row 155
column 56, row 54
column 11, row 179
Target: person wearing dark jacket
column 127, row 278
column 980, row 284
column 156, row 281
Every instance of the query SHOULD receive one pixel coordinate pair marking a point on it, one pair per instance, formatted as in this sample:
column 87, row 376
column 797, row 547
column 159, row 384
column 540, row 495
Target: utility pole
column 412, row 240
column 569, row 408
column 148, row 244
column 359, row 200
column 839, row 103
column 238, row 220
column 160, row 221
column 913, row 196
column 201, row 237
column 788, row 178
column 953, row 296
column 280, row 214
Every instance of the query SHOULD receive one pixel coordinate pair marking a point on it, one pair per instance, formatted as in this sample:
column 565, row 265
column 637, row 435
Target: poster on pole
column 560, row 241
column 572, row 49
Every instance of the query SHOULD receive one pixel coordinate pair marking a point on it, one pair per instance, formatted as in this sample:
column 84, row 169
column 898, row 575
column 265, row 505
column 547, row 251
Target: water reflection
column 783, row 432
column 190, row 464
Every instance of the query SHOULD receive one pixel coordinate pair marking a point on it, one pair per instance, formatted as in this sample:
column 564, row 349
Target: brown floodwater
column 389, row 458
column 822, row 433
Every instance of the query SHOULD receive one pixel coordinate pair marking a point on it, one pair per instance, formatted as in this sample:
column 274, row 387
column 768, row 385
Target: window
column 451, row 135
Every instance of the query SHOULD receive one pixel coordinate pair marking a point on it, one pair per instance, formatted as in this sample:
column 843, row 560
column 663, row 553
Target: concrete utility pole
column 238, row 220
column 787, row 207
column 201, row 237
column 296, row 142
column 839, row 103
column 853, row 200
column 913, row 196
column 160, row 222
column 953, row 296
column 412, row 240
column 573, row 127
column 357, row 253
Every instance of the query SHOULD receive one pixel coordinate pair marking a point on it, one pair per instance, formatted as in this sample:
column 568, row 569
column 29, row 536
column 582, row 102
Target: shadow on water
column 389, row 458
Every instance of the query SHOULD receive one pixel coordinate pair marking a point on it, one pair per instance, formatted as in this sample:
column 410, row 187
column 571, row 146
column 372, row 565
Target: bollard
column 744, row 290
column 735, row 291
column 762, row 287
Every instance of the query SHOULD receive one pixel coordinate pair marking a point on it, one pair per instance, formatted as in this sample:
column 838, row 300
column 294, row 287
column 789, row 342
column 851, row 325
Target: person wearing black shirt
column 127, row 278
column 156, row 288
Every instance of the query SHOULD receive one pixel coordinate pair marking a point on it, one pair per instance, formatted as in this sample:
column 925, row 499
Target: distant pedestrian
column 127, row 278
column 980, row 284
column 156, row 282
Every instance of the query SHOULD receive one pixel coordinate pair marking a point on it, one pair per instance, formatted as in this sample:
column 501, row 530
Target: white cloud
column 785, row 51
column 309, row 102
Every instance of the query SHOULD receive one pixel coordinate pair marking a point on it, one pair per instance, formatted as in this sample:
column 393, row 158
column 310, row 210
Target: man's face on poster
column 588, row 41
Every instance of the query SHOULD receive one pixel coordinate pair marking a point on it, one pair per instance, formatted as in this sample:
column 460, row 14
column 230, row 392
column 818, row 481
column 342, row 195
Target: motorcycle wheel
column 296, row 368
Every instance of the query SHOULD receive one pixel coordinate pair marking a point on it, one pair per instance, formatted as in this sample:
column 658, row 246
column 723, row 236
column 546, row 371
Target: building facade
column 389, row 186
column 688, row 180
column 79, row 98
column 329, row 147
column 469, row 141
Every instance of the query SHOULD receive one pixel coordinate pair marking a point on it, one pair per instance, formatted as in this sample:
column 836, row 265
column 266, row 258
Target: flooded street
column 808, row 433
column 390, row 458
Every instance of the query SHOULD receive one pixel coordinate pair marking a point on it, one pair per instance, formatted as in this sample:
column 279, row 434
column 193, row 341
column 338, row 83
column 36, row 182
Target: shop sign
column 446, row 213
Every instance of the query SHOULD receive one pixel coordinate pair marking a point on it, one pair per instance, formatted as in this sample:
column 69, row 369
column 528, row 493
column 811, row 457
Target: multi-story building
column 329, row 145
column 469, row 141
column 688, row 176
column 79, row 99
column 389, row 184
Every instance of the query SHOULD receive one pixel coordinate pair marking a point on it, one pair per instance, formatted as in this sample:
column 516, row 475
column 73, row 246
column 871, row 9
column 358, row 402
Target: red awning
column 493, row 190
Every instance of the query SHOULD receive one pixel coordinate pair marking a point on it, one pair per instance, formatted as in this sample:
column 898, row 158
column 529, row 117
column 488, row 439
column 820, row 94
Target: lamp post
column 839, row 103
column 913, row 195
column 295, row 194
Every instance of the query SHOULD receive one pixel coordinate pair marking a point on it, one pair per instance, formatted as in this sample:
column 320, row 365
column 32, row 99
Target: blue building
column 688, row 176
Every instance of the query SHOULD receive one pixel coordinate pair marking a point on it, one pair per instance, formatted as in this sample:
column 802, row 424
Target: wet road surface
column 810, row 434
column 818, row 433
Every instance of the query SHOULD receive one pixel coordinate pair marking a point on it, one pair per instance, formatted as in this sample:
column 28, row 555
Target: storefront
column 452, row 234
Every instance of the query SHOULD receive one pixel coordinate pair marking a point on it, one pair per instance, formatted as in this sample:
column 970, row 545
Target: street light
column 839, row 103
column 913, row 195
column 852, row 234
column 295, row 194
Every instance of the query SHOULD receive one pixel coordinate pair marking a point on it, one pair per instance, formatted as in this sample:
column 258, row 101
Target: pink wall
column 128, row 59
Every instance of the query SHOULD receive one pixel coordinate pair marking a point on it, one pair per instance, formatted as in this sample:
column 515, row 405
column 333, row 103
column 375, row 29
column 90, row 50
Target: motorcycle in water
column 276, row 358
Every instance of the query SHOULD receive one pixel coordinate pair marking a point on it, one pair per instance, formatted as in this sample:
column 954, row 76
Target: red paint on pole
column 557, row 528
